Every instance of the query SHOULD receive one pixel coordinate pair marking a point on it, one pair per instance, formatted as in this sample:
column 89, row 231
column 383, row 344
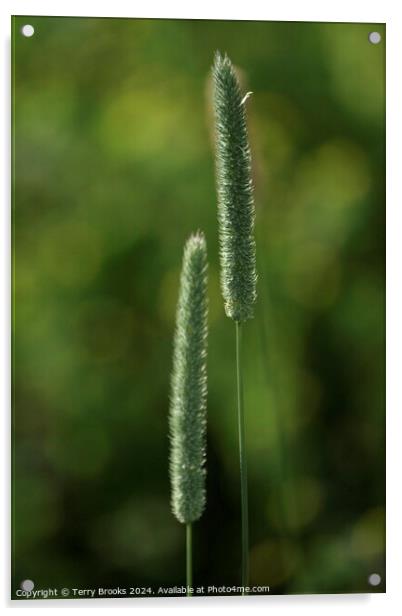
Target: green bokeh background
column 113, row 169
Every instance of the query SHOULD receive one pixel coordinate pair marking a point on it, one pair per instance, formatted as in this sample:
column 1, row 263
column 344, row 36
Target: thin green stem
column 243, row 461
column 189, row 558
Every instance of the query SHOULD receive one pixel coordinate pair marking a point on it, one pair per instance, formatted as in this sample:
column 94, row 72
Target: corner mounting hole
column 27, row 585
column 375, row 38
column 28, row 30
column 374, row 579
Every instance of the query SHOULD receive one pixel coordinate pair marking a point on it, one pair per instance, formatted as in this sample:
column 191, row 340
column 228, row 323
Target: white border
column 288, row 10
column 296, row 10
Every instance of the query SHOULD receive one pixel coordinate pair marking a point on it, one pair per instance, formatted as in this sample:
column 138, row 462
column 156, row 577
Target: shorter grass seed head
column 187, row 417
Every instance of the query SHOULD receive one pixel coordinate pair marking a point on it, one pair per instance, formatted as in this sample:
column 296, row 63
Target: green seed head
column 235, row 193
column 187, row 418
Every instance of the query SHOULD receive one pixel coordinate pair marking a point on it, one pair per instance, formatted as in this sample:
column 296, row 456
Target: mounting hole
column 27, row 585
column 28, row 30
column 374, row 579
column 375, row 38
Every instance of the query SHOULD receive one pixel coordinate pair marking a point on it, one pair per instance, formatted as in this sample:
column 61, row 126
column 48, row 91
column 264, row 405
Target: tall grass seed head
column 235, row 193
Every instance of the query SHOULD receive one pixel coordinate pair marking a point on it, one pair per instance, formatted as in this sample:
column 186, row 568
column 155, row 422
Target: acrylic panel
column 127, row 479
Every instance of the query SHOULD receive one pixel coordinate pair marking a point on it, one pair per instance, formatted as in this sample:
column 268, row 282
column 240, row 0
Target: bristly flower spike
column 187, row 417
column 235, row 193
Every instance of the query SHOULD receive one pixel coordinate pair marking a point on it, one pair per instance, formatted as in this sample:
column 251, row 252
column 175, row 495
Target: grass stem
column 189, row 558
column 243, row 460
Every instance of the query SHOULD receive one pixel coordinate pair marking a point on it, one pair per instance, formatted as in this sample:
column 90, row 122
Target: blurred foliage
column 114, row 168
